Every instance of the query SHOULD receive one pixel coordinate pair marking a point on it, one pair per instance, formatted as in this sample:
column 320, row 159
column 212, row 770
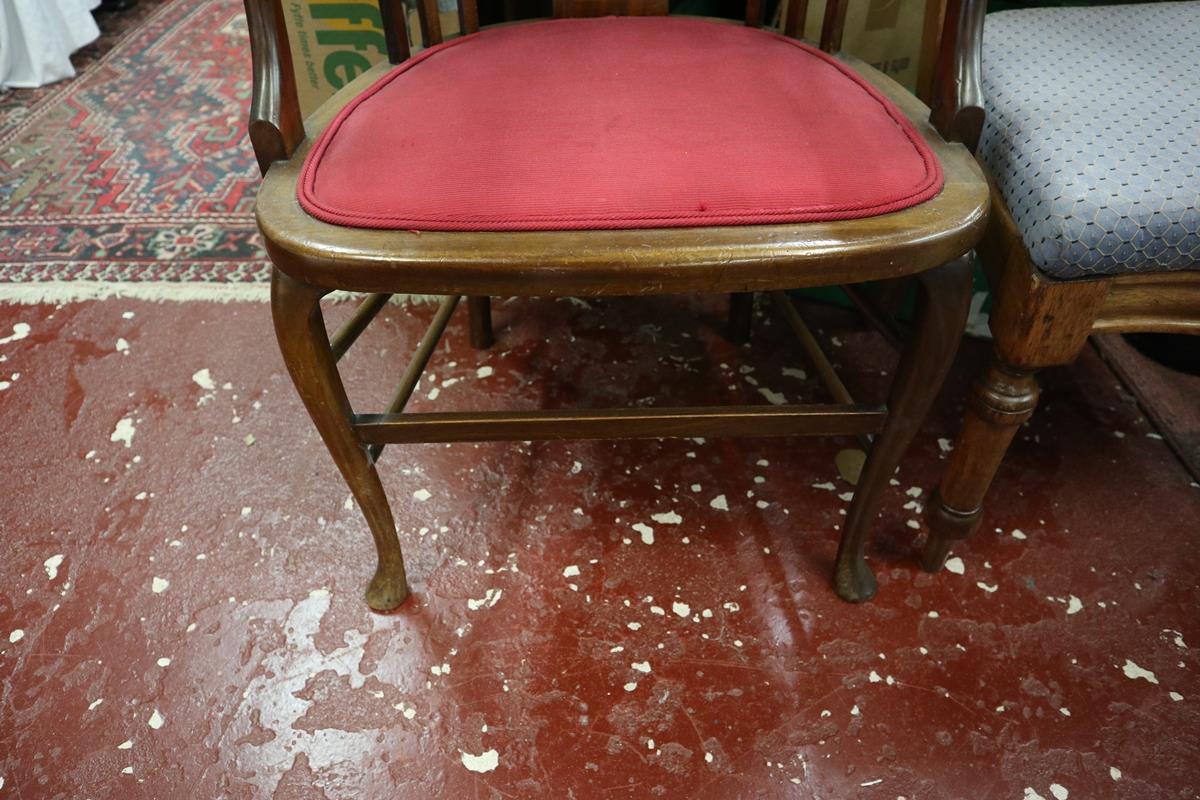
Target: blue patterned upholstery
column 1093, row 134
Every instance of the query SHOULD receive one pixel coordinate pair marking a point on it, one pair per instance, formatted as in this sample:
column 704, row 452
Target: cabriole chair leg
column 479, row 311
column 300, row 328
column 942, row 304
column 1001, row 400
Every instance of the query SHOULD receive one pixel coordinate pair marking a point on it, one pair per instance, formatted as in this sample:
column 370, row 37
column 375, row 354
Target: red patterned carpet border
column 139, row 169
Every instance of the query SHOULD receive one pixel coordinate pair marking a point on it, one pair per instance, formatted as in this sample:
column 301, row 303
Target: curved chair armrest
column 957, row 92
column 276, row 124
column 276, row 119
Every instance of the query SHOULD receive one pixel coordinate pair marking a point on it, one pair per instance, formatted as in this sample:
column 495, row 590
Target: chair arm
column 276, row 124
column 957, row 111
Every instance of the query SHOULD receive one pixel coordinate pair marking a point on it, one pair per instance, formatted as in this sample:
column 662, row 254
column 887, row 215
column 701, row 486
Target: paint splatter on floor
column 209, row 639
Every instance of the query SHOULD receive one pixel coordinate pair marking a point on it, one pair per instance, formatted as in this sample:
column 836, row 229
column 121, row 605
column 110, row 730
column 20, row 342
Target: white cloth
column 37, row 38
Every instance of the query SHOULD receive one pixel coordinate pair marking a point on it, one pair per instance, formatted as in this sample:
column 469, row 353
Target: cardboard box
column 887, row 34
column 334, row 41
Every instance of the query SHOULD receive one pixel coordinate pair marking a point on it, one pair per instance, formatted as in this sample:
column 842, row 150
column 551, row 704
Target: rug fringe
column 159, row 292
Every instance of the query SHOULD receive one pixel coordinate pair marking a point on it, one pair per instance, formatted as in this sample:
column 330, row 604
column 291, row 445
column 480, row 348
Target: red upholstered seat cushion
column 619, row 122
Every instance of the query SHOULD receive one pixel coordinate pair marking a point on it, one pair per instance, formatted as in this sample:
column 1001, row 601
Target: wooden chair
column 1091, row 143
column 928, row 239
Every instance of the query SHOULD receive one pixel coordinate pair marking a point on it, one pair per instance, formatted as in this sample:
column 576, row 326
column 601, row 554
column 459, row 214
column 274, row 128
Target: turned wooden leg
column 741, row 317
column 1001, row 400
column 479, row 310
column 300, row 329
column 942, row 305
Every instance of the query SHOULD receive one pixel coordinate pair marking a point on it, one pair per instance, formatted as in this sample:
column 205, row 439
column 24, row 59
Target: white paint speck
column 633, row 626
column 1114, row 773
column 483, row 372
column 989, row 588
column 126, row 745
column 1059, row 791
column 203, row 379
column 667, row 518
column 774, row 398
column 1133, row 672
column 641, row 666
column 720, row 503
column 486, row 761
column 52, row 564
column 571, row 571
column 164, row 662
column 629, row 687
column 421, row 495
column 1176, row 696
column 1074, row 606
column 156, row 720
column 681, row 609
column 956, row 565
column 708, row 757
column 123, row 432
column 646, row 531
column 16, row 636
column 489, row 599
column 1031, row 794
column 20, row 331
column 1018, row 534
column 92, row 705
column 122, row 346
column 159, row 585
column 828, row 486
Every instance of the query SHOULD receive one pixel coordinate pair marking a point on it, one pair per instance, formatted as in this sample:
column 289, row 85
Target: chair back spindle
column 833, row 25
column 793, row 22
column 468, row 16
column 431, row 22
column 754, row 13
column 395, row 30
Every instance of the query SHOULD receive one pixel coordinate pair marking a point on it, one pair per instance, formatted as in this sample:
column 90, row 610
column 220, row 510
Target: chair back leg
column 479, row 311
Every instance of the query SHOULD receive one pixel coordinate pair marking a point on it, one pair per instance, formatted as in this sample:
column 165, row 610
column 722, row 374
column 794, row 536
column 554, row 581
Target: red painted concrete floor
column 181, row 573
